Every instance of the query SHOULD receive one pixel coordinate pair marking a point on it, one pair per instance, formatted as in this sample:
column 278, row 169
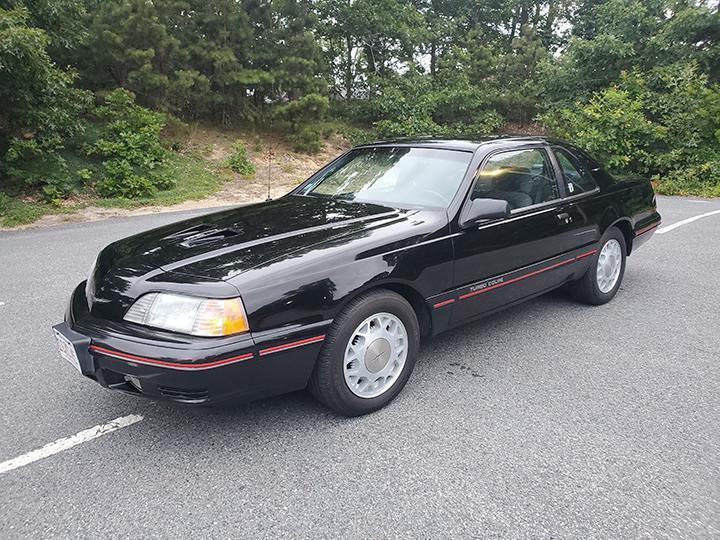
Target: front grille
column 182, row 394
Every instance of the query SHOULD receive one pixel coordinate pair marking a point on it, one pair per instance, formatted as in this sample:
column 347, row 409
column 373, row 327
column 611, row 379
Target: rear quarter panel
column 634, row 209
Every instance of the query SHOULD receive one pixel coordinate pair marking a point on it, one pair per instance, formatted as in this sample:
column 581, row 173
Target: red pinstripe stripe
column 646, row 229
column 174, row 365
column 524, row 276
column 292, row 344
column 443, row 303
column 586, row 254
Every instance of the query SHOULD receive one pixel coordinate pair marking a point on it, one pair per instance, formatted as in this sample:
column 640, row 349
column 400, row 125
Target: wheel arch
column 408, row 292
column 614, row 218
column 626, row 229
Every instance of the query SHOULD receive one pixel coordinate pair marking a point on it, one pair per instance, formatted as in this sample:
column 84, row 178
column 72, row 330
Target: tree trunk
column 433, row 58
column 348, row 67
column 370, row 58
column 513, row 26
column 550, row 22
column 523, row 20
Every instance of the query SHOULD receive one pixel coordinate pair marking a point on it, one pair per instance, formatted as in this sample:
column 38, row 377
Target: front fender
column 310, row 293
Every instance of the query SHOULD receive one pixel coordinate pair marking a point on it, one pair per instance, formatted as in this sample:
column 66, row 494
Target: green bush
column 613, row 127
column 133, row 158
column 664, row 124
column 132, row 186
column 37, row 163
column 357, row 135
column 401, row 106
column 239, row 161
column 311, row 108
column 307, row 140
column 703, row 180
column 304, row 120
column 40, row 111
column 414, row 126
column 464, row 110
column 413, row 105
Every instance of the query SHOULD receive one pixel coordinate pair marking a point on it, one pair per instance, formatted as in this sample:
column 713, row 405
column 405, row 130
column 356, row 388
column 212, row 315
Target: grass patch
column 15, row 212
column 196, row 179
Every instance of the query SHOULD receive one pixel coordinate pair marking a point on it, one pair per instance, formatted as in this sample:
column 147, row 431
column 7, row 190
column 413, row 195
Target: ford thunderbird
column 334, row 285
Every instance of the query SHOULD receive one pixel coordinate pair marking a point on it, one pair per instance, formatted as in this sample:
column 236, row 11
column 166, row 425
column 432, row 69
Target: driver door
column 503, row 261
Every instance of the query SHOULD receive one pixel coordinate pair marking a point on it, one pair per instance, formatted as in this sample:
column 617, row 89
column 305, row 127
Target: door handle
column 564, row 217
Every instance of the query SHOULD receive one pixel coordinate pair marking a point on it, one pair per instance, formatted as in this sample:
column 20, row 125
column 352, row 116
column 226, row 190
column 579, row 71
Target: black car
column 333, row 286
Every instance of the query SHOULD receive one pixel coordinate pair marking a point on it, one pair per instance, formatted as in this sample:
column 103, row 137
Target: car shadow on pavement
column 438, row 357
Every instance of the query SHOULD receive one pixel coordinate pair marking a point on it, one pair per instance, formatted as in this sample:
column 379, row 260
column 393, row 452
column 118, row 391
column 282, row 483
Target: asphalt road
column 549, row 419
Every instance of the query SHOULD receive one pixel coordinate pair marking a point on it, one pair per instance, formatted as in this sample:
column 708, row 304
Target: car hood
column 225, row 244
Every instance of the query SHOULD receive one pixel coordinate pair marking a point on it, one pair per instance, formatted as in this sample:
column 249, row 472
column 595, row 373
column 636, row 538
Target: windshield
column 413, row 177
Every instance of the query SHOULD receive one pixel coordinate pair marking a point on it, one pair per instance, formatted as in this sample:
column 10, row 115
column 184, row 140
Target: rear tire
column 368, row 354
column 603, row 278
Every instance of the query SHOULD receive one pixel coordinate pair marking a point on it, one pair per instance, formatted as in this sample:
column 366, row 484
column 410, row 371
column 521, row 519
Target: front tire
column 603, row 278
column 368, row 354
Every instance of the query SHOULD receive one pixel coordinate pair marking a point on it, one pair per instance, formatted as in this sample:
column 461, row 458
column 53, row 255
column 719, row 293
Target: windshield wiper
column 344, row 196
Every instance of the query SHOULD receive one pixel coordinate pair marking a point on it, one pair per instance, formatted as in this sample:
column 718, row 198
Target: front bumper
column 190, row 370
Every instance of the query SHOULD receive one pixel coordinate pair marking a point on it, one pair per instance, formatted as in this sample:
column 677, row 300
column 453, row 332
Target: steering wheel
column 439, row 198
column 538, row 183
column 537, row 178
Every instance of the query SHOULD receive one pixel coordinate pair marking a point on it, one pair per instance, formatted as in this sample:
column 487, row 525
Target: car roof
column 466, row 145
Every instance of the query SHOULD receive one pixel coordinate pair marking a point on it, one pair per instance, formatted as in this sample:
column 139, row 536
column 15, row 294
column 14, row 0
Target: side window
column 520, row 177
column 576, row 177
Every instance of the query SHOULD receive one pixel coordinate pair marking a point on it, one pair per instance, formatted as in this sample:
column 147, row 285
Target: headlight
column 208, row 317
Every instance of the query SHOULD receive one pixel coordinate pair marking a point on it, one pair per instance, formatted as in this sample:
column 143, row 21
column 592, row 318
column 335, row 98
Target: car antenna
column 270, row 156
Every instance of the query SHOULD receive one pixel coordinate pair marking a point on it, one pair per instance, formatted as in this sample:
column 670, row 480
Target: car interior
column 520, row 186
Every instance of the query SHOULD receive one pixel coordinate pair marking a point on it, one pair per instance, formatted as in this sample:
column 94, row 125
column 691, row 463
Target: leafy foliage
column 612, row 126
column 410, row 105
column 307, row 139
column 665, row 123
column 303, row 119
column 239, row 161
column 217, row 59
column 633, row 80
column 308, row 109
column 39, row 109
column 133, row 157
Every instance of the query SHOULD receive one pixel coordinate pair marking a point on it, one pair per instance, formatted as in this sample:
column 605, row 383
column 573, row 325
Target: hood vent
column 204, row 234
column 186, row 233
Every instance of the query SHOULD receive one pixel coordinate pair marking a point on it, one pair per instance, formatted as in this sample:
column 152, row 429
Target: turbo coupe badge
column 487, row 284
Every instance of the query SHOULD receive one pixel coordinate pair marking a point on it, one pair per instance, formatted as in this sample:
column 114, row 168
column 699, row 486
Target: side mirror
column 481, row 209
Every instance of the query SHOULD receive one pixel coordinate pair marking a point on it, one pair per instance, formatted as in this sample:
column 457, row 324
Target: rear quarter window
column 576, row 173
column 602, row 177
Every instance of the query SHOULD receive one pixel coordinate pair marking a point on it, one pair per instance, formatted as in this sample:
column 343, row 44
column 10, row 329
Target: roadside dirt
column 275, row 162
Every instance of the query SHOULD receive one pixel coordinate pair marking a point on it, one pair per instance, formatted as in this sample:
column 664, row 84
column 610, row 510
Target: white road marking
column 65, row 443
column 669, row 228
